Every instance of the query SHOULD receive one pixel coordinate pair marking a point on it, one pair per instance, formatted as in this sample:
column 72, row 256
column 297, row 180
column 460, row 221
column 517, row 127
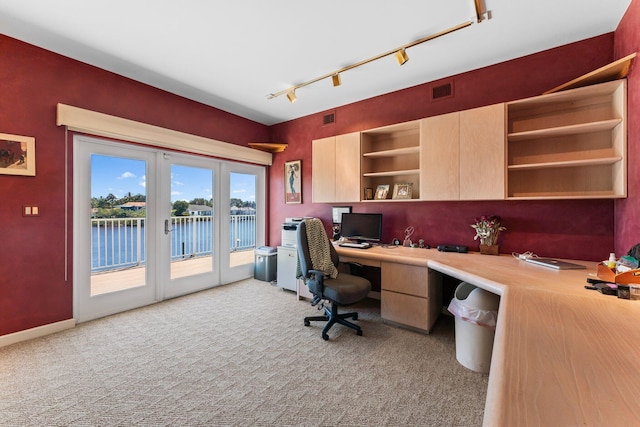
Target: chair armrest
column 317, row 281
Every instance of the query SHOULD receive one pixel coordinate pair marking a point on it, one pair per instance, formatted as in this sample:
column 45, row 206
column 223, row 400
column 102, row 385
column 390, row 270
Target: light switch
column 30, row 211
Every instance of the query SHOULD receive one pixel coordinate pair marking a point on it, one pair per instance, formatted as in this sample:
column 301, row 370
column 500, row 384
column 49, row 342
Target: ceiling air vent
column 442, row 91
column 327, row 119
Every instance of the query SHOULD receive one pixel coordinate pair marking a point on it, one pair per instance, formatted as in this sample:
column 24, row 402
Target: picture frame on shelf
column 368, row 193
column 293, row 182
column 402, row 191
column 17, row 155
column 381, row 192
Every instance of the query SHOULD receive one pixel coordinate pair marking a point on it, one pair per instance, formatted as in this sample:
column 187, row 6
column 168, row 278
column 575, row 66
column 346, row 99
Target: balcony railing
column 119, row 242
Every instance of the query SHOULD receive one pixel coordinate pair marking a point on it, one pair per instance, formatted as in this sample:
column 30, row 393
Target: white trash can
column 476, row 312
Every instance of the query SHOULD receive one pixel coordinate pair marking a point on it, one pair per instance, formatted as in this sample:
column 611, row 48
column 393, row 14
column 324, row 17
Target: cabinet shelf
column 393, row 173
column 394, row 152
column 602, row 125
column 566, row 163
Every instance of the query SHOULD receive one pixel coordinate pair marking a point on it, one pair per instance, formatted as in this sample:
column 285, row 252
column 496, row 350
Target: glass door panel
column 191, row 221
column 243, row 221
column 114, row 243
column 118, row 232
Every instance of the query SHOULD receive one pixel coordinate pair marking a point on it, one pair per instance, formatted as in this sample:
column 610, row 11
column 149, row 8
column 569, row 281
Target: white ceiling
column 231, row 54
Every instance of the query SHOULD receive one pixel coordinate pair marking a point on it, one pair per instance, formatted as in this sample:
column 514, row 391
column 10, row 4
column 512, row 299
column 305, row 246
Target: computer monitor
column 362, row 227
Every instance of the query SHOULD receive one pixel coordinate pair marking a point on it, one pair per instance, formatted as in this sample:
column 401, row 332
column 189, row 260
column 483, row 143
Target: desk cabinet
column 411, row 295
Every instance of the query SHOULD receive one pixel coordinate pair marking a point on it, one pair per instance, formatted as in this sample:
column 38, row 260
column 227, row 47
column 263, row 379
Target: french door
column 151, row 225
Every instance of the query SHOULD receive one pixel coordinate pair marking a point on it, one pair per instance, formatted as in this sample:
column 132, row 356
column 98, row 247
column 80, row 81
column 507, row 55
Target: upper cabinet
column 391, row 155
column 335, row 169
column 563, row 145
column 463, row 155
column 482, row 153
column 569, row 144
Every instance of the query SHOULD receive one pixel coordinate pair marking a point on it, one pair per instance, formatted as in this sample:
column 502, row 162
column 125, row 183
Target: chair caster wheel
column 355, row 316
column 307, row 323
column 359, row 333
column 325, row 337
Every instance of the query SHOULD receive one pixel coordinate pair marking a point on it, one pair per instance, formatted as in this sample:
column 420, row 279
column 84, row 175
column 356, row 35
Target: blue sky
column 120, row 176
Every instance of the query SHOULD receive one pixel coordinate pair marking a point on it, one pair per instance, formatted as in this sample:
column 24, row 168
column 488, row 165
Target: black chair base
column 332, row 317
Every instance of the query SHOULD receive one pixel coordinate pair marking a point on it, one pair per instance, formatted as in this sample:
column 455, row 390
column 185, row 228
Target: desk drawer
column 406, row 279
column 406, row 310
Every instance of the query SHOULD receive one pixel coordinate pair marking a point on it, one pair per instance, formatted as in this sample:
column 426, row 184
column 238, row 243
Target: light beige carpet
column 238, row 355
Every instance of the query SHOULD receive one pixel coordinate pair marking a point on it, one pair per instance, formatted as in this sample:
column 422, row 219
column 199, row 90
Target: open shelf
column 393, row 173
column 390, row 155
column 567, row 163
column 569, row 144
column 588, row 127
column 393, row 153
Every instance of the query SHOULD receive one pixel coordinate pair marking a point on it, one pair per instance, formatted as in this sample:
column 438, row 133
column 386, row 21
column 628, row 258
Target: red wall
column 581, row 229
column 33, row 290
column 627, row 214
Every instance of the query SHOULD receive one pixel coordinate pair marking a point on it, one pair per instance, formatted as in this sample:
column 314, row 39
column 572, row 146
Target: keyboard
column 355, row 245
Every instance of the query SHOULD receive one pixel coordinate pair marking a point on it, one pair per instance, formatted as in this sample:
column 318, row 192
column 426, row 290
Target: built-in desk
column 562, row 355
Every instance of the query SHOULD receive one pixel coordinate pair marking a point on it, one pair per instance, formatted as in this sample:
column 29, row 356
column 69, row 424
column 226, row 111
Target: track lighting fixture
column 401, row 56
column 399, row 53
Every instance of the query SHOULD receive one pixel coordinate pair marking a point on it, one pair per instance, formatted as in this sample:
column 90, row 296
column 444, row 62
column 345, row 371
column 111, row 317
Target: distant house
column 133, row 206
column 200, row 210
column 234, row 210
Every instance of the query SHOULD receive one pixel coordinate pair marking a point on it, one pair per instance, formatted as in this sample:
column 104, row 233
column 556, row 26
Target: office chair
column 324, row 281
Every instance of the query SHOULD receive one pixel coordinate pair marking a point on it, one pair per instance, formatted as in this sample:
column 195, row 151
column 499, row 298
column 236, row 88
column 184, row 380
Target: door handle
column 167, row 228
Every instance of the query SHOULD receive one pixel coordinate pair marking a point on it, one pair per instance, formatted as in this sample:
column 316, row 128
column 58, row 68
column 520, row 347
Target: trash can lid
column 265, row 250
column 472, row 296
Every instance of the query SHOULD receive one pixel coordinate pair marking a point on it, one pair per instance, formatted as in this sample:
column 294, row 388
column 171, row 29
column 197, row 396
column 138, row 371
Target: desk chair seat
column 340, row 290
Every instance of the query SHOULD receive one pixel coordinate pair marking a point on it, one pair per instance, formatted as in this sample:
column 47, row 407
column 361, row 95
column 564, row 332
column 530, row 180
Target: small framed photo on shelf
column 402, row 191
column 368, row 193
column 381, row 192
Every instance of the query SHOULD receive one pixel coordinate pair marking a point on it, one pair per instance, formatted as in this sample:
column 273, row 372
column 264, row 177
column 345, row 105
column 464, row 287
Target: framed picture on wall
column 17, row 155
column 293, row 182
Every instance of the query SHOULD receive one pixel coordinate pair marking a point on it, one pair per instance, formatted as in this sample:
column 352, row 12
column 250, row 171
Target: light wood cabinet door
column 335, row 169
column 323, row 170
column 347, row 169
column 440, row 157
column 482, row 153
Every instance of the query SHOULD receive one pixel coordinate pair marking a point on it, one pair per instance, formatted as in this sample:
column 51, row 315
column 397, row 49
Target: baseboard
column 36, row 332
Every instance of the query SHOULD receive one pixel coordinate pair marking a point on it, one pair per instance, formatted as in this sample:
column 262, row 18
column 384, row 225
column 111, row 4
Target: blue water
column 118, row 246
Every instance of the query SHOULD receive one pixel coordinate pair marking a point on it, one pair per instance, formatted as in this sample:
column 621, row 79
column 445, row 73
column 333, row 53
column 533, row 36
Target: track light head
column 401, row 56
column 291, row 95
column 336, row 80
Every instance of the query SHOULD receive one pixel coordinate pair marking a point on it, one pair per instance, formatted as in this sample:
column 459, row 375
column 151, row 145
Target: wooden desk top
column 562, row 355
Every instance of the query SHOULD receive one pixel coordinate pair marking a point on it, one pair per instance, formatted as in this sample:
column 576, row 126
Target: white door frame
column 158, row 253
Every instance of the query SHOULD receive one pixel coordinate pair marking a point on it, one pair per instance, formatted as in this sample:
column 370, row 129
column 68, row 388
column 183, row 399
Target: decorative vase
column 490, row 249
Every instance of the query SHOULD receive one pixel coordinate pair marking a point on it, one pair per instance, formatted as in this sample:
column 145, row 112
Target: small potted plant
column 488, row 229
